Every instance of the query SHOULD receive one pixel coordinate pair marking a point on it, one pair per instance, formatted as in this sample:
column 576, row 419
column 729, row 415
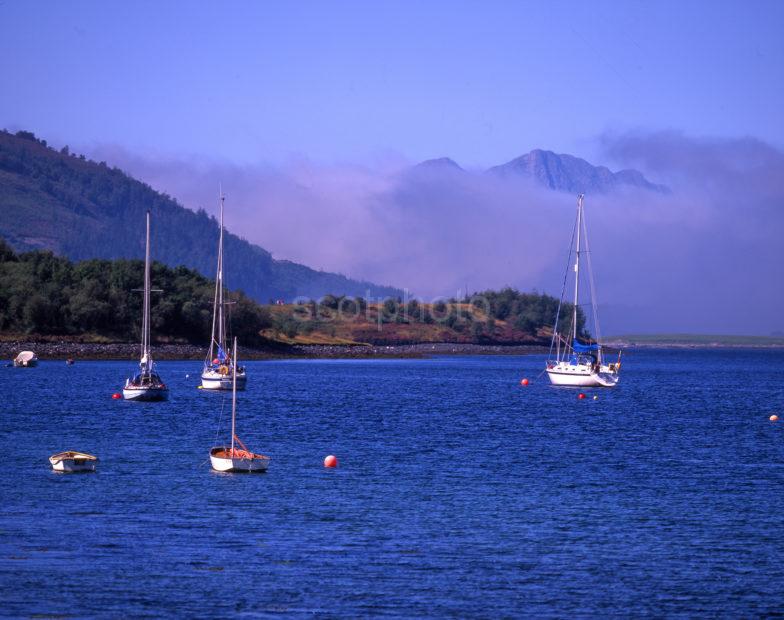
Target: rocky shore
column 128, row 351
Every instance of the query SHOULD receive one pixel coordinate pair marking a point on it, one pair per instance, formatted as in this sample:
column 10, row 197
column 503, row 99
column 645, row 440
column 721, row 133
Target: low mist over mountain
column 701, row 257
column 81, row 209
column 572, row 174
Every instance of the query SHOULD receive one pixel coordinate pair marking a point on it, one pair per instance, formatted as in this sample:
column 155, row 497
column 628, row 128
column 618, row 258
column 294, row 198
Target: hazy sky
column 481, row 82
column 310, row 112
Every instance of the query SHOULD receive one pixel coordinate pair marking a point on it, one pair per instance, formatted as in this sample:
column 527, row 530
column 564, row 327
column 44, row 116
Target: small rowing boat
column 73, row 461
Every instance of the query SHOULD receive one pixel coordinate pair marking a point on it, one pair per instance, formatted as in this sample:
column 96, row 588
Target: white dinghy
column 233, row 459
column 72, row 461
column 26, row 359
column 579, row 363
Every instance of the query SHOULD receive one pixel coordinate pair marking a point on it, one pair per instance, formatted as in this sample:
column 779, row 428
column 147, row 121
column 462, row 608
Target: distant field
column 698, row 339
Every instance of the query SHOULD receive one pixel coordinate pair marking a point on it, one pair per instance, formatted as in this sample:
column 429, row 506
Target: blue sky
column 481, row 82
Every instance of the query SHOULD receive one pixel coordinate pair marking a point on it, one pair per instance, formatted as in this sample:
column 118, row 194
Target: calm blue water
column 459, row 492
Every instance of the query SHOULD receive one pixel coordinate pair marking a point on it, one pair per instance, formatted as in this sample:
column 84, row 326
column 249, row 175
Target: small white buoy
column 187, row 376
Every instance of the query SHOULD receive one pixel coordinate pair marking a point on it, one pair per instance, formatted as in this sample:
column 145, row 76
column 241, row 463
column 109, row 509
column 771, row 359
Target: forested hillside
column 99, row 300
column 80, row 209
column 44, row 294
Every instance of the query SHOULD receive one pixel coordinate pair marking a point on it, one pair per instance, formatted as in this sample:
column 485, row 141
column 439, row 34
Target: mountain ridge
column 564, row 172
column 555, row 171
column 83, row 209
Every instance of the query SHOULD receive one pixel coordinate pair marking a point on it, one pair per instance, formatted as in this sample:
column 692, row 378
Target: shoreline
column 128, row 351
column 63, row 350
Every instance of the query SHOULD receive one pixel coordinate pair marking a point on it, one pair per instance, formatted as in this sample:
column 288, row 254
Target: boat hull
column 211, row 380
column 73, row 462
column 254, row 464
column 149, row 394
column 580, row 375
column 26, row 363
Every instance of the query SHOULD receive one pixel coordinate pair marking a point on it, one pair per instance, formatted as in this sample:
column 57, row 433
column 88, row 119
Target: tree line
column 44, row 294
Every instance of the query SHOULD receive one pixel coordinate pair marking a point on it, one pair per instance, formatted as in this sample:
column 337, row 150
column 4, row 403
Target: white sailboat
column 230, row 458
column 146, row 384
column 219, row 368
column 576, row 363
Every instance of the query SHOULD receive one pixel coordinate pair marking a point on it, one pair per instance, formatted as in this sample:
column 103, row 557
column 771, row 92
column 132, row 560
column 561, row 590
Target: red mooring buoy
column 524, row 382
column 581, row 396
column 116, row 396
column 331, row 461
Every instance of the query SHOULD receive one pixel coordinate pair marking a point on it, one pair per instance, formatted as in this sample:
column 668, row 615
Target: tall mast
column 233, row 395
column 577, row 263
column 221, row 325
column 146, row 313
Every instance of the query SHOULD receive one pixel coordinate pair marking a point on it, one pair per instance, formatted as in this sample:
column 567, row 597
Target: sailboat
column 230, row 458
column 580, row 363
column 146, row 384
column 219, row 367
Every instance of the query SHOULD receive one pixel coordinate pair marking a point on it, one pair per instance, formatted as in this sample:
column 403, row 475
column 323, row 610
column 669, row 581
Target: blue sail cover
column 579, row 347
column 221, row 354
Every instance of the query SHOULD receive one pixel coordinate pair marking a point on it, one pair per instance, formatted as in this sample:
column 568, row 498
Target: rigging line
column 563, row 289
column 220, row 418
column 594, row 306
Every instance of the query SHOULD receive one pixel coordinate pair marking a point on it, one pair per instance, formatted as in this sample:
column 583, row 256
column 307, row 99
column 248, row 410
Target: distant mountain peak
column 439, row 163
column 563, row 172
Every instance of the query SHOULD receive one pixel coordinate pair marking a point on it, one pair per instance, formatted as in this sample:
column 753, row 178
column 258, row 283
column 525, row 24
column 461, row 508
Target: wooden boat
column 26, row 359
column 230, row 458
column 146, row 384
column 73, row 461
column 219, row 368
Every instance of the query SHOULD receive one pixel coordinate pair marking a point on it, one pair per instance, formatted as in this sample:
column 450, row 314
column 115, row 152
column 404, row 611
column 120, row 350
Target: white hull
column 77, row 463
column 26, row 359
column 211, row 380
column 145, row 393
column 581, row 375
column 257, row 464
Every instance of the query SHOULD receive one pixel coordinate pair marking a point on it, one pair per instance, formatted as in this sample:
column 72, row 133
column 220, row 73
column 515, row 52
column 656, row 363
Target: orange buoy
column 774, row 417
column 581, row 396
column 116, row 396
column 331, row 461
column 524, row 382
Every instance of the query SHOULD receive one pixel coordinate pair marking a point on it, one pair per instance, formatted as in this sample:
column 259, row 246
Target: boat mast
column 233, row 395
column 577, row 264
column 221, row 325
column 146, row 312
